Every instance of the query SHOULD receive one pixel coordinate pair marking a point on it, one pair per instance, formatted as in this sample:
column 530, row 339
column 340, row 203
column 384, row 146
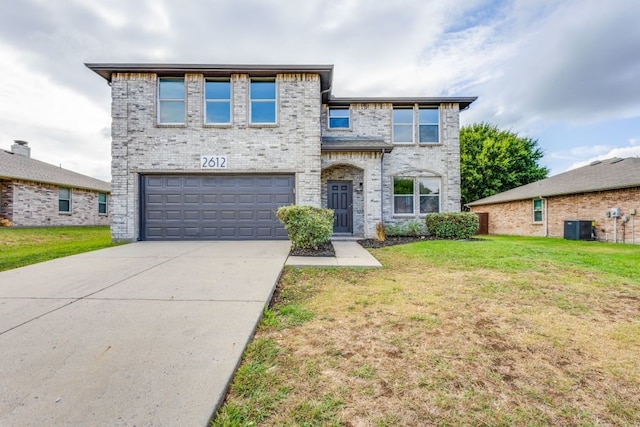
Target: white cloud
column 621, row 152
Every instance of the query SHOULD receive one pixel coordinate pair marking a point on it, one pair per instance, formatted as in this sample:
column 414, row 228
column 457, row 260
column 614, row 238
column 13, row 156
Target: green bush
column 307, row 226
column 405, row 229
column 452, row 225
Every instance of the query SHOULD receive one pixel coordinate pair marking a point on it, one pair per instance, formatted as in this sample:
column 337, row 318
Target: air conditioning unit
column 614, row 213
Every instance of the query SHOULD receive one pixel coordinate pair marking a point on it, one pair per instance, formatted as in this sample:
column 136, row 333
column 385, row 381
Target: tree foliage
column 494, row 160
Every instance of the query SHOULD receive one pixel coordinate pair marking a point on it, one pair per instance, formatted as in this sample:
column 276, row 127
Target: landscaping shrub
column 307, row 226
column 405, row 229
column 5, row 222
column 452, row 225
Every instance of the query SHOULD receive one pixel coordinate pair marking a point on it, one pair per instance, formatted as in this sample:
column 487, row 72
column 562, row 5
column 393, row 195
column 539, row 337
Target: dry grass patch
column 434, row 339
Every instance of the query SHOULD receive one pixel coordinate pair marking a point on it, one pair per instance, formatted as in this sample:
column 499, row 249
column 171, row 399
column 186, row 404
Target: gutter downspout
column 381, row 186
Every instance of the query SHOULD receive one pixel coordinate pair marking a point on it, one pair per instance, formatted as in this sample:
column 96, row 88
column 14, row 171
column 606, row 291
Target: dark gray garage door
column 198, row 207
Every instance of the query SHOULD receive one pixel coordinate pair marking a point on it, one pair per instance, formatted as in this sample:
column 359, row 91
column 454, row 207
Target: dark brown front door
column 340, row 199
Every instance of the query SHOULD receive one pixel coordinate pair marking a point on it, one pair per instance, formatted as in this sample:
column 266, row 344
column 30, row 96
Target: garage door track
column 143, row 334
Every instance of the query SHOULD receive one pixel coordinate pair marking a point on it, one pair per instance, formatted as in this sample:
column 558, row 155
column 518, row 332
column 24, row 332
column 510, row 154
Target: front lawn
column 24, row 246
column 501, row 331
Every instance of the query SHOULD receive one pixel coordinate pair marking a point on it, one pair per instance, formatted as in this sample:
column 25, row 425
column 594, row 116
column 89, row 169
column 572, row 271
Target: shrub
column 452, row 225
column 406, row 229
column 307, row 226
column 5, row 222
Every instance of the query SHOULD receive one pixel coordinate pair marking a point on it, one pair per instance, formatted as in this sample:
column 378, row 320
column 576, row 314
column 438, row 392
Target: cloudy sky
column 565, row 72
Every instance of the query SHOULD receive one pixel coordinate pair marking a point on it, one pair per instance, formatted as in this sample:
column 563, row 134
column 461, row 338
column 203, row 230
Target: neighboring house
column 606, row 192
column 211, row 151
column 35, row 193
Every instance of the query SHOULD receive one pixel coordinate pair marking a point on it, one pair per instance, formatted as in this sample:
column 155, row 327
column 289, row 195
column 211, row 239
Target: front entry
column 340, row 199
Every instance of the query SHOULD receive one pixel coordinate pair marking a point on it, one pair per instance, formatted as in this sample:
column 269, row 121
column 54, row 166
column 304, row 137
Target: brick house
column 606, row 192
column 211, row 151
column 35, row 193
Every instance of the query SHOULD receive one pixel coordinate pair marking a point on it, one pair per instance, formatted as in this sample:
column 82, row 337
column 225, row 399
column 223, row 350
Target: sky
column 565, row 73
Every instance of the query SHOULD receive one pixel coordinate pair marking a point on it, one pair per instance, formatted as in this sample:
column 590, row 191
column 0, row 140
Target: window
column 338, row 118
column 402, row 195
column 217, row 95
column 171, row 104
column 64, row 200
column 428, row 125
column 407, row 191
column 102, row 203
column 428, row 128
column 429, row 195
column 537, row 210
column 263, row 101
column 402, row 125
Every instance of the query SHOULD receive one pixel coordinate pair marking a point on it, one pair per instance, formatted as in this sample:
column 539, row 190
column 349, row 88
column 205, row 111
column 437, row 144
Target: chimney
column 21, row 148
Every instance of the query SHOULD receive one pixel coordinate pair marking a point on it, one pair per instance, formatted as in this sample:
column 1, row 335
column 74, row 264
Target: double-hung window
column 416, row 124
column 102, row 203
column 263, row 101
column 338, row 118
column 217, row 95
column 537, row 210
column 416, row 194
column 64, row 200
column 403, row 125
column 171, row 101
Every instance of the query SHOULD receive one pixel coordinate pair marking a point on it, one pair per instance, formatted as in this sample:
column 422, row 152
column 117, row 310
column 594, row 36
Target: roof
column 16, row 166
column 464, row 101
column 610, row 174
column 354, row 144
column 106, row 70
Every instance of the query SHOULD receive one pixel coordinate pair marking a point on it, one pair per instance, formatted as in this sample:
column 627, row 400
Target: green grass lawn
column 24, row 246
column 500, row 331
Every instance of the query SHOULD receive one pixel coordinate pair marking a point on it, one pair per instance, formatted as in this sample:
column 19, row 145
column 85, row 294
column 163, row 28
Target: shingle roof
column 332, row 143
column 602, row 175
column 16, row 166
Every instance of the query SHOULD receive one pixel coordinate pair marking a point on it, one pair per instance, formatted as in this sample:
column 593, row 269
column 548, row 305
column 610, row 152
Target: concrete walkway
column 145, row 334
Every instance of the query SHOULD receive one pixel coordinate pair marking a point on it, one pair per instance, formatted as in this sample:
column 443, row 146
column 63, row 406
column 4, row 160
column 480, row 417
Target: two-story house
column 211, row 151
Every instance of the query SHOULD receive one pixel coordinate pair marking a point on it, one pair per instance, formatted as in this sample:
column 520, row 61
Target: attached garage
column 214, row 207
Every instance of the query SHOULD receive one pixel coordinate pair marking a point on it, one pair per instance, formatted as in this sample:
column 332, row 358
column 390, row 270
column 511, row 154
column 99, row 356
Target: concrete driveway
column 144, row 334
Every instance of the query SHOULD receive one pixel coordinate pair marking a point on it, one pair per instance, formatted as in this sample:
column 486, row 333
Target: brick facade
column 516, row 217
column 293, row 146
column 30, row 204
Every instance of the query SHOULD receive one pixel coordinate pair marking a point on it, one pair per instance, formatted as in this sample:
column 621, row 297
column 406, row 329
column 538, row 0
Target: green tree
column 494, row 160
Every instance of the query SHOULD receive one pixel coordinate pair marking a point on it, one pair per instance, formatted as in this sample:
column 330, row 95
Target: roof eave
column 463, row 102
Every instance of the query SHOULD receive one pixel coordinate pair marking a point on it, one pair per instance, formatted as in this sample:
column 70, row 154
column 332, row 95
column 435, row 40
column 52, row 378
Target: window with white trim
column 416, row 125
column 403, row 125
column 263, row 101
column 416, row 194
column 64, row 200
column 217, row 94
column 102, row 203
column 428, row 126
column 171, row 101
column 537, row 210
column 339, row 118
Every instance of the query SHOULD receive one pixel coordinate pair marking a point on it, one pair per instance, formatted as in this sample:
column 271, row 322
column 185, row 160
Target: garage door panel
column 197, row 207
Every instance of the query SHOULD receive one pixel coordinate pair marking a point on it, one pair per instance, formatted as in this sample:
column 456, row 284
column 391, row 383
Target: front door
column 340, row 199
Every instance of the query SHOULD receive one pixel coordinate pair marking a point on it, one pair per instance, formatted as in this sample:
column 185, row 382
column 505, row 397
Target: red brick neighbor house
column 38, row 194
column 605, row 193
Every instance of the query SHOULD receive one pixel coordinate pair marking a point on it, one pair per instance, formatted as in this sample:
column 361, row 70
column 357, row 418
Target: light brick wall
column 29, row 204
column 140, row 145
column 441, row 160
column 516, row 218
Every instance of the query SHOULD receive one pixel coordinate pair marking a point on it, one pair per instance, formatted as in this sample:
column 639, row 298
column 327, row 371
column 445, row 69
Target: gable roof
column 16, row 166
column 610, row 174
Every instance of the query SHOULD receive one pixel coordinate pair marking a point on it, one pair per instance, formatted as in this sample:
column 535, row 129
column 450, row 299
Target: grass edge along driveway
column 500, row 331
column 25, row 246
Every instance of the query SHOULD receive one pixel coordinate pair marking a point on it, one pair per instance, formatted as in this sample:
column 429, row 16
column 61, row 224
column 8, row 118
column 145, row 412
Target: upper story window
column 171, row 101
column 405, row 130
column 263, row 101
column 217, row 95
column 64, row 200
column 102, row 203
column 537, row 210
column 338, row 118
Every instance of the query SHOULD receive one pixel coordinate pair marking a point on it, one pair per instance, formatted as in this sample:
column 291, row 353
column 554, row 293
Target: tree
column 494, row 160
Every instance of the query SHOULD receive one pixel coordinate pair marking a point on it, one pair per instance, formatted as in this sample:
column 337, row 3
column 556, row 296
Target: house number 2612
column 213, row 162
